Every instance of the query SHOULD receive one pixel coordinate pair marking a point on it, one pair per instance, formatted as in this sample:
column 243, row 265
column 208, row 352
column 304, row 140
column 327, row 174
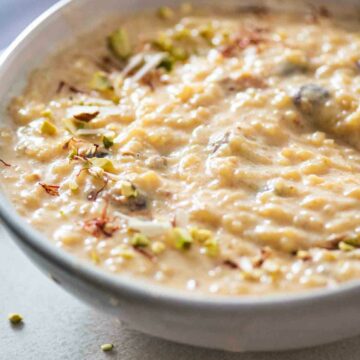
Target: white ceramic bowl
column 236, row 324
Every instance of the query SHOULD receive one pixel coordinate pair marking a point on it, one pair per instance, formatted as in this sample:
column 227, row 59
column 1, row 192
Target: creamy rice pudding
column 208, row 150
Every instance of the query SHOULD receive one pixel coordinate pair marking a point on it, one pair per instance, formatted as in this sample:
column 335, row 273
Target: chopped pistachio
column 15, row 318
column 47, row 113
column 165, row 13
column 179, row 54
column 108, row 142
column 140, row 240
column 354, row 241
column 211, row 246
column 103, row 163
column 73, row 186
column 167, row 63
column 207, row 32
column 113, row 97
column 72, row 154
column 119, row 44
column 158, row 247
column 344, row 246
column 100, row 82
column 163, row 42
column 69, row 126
column 182, row 33
column 72, row 125
column 183, row 239
column 127, row 254
column 48, row 128
column 107, row 347
column 128, row 189
column 200, row 235
column 224, row 38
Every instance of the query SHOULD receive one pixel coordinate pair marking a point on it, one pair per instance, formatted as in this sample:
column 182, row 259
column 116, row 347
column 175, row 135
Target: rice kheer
column 211, row 151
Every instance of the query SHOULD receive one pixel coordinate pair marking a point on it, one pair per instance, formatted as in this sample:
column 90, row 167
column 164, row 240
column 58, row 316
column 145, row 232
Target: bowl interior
column 53, row 30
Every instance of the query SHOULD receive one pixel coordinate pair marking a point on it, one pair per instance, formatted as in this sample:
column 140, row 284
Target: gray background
column 57, row 326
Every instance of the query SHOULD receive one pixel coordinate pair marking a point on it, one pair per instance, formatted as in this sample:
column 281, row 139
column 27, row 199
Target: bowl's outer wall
column 234, row 326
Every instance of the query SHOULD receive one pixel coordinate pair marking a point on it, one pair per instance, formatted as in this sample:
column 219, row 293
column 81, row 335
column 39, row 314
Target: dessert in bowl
column 206, row 152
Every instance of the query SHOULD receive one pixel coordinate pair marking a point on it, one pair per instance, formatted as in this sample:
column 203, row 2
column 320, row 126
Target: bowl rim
column 131, row 286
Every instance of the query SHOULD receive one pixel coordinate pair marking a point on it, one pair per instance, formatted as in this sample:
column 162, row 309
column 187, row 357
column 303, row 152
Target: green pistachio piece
column 48, row 128
column 183, row 239
column 140, row 240
column 107, row 347
column 94, row 256
column 15, row 318
column 72, row 125
column 167, row 63
column 211, row 246
column 73, row 186
column 119, row 44
column 100, row 82
column 200, row 235
column 163, row 43
column 344, row 246
column 179, row 54
column 165, row 13
column 128, row 189
column 182, row 34
column 353, row 241
column 207, row 32
column 105, row 164
column 108, row 142
column 47, row 113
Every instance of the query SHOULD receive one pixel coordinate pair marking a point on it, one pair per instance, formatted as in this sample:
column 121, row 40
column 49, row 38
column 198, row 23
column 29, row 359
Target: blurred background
column 15, row 15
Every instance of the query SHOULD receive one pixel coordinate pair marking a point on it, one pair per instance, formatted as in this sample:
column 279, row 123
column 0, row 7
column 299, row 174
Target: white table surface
column 57, row 326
